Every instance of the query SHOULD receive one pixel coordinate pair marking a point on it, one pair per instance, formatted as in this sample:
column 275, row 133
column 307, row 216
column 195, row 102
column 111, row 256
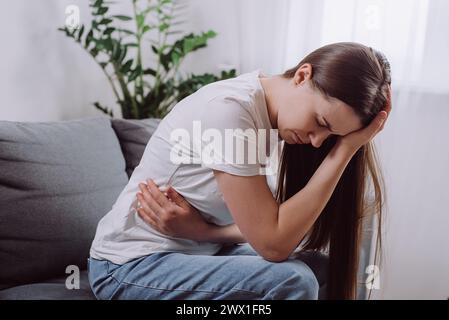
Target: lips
column 297, row 137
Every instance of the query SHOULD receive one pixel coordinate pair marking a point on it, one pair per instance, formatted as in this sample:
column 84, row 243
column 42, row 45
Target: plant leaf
column 140, row 19
column 94, row 52
column 210, row 34
column 97, row 3
column 122, row 17
column 95, row 25
column 127, row 31
column 164, row 26
column 136, row 72
column 107, row 43
column 105, row 21
column 127, row 66
column 67, row 33
column 115, row 50
column 108, row 31
column 105, row 110
column 101, row 11
column 89, row 38
column 150, row 71
column 80, row 33
column 123, row 52
column 99, row 45
column 174, row 32
column 175, row 57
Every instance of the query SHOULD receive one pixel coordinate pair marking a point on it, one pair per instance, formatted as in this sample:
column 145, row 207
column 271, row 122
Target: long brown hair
column 359, row 76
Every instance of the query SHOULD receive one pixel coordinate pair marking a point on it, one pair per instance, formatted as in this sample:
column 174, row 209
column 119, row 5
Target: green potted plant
column 116, row 43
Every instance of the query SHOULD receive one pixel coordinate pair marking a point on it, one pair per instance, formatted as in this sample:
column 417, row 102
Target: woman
column 327, row 110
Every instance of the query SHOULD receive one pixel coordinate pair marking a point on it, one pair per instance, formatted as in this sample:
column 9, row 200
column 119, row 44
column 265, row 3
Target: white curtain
column 275, row 34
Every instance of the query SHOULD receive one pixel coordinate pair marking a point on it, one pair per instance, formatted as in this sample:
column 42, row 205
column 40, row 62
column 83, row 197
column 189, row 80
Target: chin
column 287, row 138
column 283, row 136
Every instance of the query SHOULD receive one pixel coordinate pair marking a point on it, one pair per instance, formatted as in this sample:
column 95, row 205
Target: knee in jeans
column 310, row 285
column 298, row 281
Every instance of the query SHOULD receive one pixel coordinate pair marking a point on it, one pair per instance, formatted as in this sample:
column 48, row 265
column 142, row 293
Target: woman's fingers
column 148, row 199
column 375, row 126
column 157, row 195
column 388, row 106
column 363, row 136
column 177, row 198
column 146, row 208
column 382, row 116
column 148, row 218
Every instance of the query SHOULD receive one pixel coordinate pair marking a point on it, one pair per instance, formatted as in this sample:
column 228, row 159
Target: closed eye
column 325, row 126
column 319, row 124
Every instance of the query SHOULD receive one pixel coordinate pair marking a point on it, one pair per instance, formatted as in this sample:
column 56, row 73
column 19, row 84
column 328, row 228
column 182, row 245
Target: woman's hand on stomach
column 169, row 213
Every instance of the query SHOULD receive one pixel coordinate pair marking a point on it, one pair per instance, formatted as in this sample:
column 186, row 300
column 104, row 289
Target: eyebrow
column 328, row 125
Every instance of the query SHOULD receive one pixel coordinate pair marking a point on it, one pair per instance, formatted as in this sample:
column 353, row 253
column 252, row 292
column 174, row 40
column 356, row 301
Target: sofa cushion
column 57, row 180
column 133, row 135
column 53, row 289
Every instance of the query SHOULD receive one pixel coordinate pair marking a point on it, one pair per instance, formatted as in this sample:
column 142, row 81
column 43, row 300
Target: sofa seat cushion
column 54, row 289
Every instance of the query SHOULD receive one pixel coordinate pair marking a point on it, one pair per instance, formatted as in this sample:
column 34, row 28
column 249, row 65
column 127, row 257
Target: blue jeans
column 236, row 272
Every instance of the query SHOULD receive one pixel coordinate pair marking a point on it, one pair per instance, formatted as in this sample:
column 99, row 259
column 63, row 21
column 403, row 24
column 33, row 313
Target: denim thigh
column 236, row 272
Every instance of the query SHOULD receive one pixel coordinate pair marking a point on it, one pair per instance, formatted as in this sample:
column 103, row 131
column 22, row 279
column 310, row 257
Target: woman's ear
column 303, row 73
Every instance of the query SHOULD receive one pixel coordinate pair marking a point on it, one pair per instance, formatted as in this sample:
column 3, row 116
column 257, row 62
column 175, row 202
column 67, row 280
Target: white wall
column 45, row 76
column 415, row 157
column 237, row 23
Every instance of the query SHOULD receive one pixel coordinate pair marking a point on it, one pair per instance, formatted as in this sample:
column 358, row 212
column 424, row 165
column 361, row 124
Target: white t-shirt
column 239, row 102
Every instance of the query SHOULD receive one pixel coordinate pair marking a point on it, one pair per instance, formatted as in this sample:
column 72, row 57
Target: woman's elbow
column 278, row 251
column 274, row 254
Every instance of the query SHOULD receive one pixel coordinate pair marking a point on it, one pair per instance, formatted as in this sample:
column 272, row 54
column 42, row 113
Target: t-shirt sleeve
column 229, row 140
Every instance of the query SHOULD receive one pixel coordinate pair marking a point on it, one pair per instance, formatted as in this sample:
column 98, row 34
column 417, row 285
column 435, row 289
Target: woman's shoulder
column 242, row 89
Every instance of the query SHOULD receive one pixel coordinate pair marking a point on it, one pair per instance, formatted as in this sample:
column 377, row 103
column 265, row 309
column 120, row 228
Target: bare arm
column 223, row 234
column 275, row 230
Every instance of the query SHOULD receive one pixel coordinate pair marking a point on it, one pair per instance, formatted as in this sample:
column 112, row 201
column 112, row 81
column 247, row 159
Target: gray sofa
column 57, row 180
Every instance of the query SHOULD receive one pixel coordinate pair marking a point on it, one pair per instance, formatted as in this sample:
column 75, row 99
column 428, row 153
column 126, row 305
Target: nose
column 317, row 139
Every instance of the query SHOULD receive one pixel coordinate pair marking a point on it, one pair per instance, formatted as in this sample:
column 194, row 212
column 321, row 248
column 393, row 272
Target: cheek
column 294, row 120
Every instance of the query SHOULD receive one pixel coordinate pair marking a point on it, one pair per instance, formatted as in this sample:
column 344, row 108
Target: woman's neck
column 272, row 86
